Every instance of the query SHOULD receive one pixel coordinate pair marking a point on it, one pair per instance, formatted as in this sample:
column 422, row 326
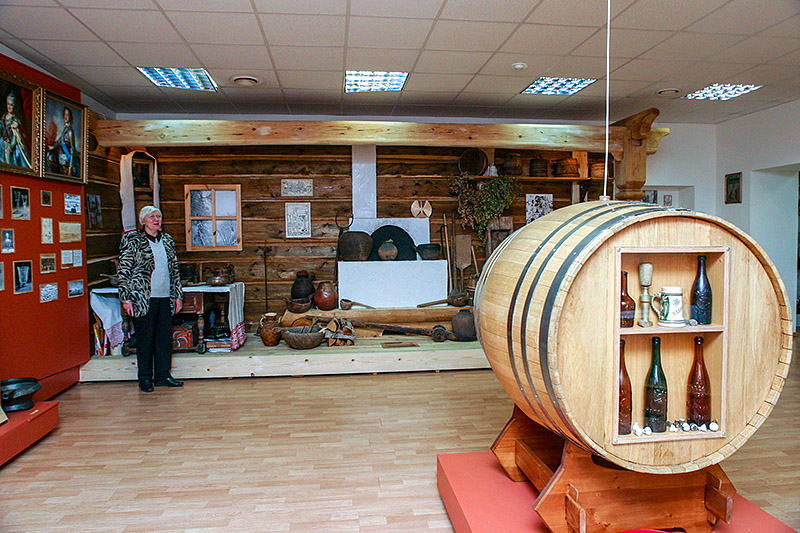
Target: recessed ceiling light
column 361, row 81
column 519, row 66
column 668, row 91
column 721, row 91
column 558, row 86
column 196, row 79
column 245, row 81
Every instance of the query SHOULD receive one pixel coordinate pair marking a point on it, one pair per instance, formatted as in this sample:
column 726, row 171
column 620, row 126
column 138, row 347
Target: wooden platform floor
column 389, row 353
column 325, row 453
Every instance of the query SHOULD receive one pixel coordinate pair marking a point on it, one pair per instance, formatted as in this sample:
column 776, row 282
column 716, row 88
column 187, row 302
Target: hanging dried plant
column 480, row 203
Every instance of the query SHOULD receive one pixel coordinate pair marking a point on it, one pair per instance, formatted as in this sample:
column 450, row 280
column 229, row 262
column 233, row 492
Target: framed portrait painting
column 64, row 129
column 733, row 188
column 20, row 111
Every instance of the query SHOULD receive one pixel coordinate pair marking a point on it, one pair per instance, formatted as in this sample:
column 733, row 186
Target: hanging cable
column 605, row 196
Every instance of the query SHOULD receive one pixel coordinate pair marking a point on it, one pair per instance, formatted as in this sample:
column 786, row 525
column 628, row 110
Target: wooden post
column 631, row 171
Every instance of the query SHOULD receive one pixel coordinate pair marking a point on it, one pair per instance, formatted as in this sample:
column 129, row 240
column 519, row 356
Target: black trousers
column 154, row 340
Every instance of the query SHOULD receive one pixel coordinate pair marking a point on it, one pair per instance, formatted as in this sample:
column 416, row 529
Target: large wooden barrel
column 547, row 314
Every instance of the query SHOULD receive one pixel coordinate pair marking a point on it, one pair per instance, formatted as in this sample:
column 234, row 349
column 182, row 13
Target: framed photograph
column 47, row 199
column 21, row 108
column 64, row 128
column 23, row 277
column 20, row 203
column 297, row 187
column 94, row 212
column 733, row 188
column 142, row 174
column 72, row 204
column 667, row 200
column 47, row 230
column 2, row 276
column 7, row 238
column 298, row 220
column 1, row 201
column 537, row 206
column 75, row 288
column 69, row 232
column 47, row 263
column 650, row 196
column 48, row 292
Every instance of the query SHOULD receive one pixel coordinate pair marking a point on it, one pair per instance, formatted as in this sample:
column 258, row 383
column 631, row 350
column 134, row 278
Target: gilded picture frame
column 64, row 132
column 20, row 124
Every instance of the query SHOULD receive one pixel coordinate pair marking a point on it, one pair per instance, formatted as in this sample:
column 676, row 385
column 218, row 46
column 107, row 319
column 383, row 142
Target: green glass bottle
column 655, row 392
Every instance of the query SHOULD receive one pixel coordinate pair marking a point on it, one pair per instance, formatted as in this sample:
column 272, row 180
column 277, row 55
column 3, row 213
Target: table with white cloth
column 106, row 306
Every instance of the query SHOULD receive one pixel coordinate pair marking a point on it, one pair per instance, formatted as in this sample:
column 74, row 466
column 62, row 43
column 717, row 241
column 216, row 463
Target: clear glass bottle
column 655, row 392
column 701, row 294
column 625, row 403
column 627, row 307
column 698, row 391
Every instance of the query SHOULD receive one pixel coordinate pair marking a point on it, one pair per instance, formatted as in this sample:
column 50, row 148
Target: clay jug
column 269, row 332
column 464, row 325
column 355, row 246
column 326, row 296
column 302, row 286
column 387, row 251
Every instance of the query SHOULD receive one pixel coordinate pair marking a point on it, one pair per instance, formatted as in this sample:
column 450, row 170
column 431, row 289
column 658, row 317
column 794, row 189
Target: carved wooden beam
column 640, row 141
column 249, row 132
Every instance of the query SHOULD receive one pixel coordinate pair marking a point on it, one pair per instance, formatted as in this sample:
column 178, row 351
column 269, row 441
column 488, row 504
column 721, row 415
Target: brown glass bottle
column 625, row 403
column 655, row 392
column 698, row 391
column 627, row 307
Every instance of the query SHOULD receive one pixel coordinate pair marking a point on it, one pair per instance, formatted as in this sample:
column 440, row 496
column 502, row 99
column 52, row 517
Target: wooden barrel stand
column 581, row 492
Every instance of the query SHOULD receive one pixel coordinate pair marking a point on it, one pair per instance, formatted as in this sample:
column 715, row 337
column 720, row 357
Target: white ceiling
column 458, row 52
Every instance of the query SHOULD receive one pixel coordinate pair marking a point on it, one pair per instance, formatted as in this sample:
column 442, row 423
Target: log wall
column 404, row 174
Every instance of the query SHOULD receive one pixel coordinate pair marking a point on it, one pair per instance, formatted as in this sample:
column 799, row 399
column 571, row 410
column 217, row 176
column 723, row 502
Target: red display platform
column 23, row 428
column 480, row 498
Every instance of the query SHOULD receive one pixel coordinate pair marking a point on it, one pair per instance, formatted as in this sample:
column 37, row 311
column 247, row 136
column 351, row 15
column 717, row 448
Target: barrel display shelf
column 547, row 315
column 675, row 266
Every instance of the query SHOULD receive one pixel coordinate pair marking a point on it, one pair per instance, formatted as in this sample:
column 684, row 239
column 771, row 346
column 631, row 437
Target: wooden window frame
column 187, row 190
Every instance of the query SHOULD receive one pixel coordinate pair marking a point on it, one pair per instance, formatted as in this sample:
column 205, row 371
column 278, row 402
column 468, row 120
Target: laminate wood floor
column 328, row 454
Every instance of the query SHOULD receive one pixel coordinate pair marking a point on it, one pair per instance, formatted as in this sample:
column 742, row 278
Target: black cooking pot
column 17, row 393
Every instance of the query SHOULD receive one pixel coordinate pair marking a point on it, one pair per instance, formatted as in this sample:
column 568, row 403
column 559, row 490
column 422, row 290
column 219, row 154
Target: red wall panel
column 41, row 339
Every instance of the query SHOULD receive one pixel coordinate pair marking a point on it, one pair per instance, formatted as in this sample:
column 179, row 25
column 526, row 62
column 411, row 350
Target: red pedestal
column 24, row 428
column 480, row 498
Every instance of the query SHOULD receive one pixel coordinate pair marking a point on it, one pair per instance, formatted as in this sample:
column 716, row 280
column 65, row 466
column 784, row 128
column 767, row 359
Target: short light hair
column 146, row 211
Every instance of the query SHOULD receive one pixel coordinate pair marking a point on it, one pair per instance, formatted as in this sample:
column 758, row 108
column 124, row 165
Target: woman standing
column 150, row 292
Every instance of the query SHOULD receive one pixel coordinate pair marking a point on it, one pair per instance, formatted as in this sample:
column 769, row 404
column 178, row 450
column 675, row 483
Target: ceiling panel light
column 558, row 86
column 361, row 81
column 721, row 91
column 196, row 79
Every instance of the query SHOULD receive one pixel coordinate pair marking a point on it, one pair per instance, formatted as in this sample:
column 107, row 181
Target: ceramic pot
column 326, row 296
column 269, row 332
column 355, row 246
column 302, row 286
column 387, row 251
column 464, row 324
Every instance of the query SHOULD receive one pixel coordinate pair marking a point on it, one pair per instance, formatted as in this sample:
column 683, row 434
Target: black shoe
column 145, row 385
column 169, row 382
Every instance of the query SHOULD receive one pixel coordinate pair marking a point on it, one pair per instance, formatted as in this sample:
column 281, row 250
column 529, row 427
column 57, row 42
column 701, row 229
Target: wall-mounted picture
column 94, row 211
column 142, row 172
column 20, row 203
column 48, row 292
column 1, row 201
column 75, row 288
column 23, row 277
column 2, row 276
column 47, row 199
column 20, row 124
column 650, row 196
column 7, row 239
column 297, row 187
column 72, row 204
column 667, row 200
column 47, row 230
column 537, row 206
column 733, row 188
column 47, row 263
column 64, row 127
column 298, row 220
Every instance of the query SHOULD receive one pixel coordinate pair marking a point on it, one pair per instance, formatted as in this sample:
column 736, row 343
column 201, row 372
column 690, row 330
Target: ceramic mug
column 671, row 311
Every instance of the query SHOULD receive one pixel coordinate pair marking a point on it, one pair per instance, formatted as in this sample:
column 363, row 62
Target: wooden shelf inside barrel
column 675, row 266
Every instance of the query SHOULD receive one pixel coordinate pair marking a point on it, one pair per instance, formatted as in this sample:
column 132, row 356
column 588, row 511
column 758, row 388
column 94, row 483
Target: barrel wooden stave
column 573, row 393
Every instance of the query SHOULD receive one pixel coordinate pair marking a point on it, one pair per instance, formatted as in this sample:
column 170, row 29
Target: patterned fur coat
column 136, row 265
